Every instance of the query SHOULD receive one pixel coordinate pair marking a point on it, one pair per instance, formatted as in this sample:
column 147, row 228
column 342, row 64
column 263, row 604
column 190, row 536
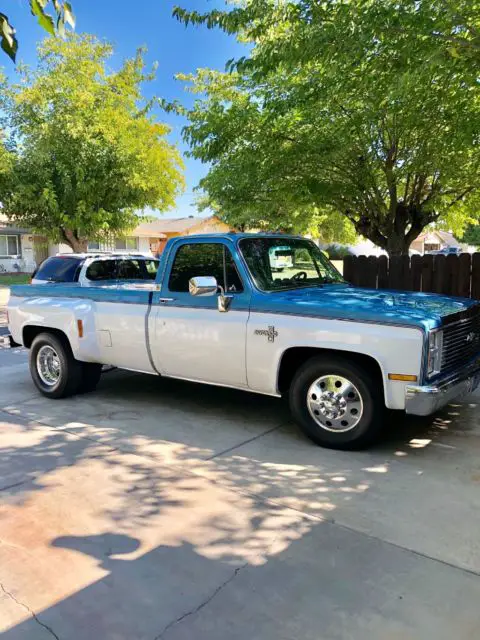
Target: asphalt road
column 156, row 509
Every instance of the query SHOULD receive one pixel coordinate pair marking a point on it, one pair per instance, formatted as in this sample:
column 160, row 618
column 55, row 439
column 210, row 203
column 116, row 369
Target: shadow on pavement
column 330, row 584
column 259, row 559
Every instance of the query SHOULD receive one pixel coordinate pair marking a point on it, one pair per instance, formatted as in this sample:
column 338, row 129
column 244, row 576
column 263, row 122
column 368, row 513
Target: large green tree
column 52, row 15
column 86, row 153
column 364, row 109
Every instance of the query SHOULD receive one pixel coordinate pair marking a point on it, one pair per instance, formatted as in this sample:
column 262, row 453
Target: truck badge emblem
column 472, row 337
column 270, row 333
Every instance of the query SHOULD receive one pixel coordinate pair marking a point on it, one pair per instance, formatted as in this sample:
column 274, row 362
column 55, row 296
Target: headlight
column 435, row 346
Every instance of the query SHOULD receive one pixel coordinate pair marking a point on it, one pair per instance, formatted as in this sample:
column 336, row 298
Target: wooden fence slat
column 406, row 274
column 439, row 274
column 451, row 284
column 464, row 275
column 416, row 272
column 427, row 273
column 371, row 272
column 362, row 268
column 476, row 276
column 383, row 272
column 395, row 273
column 349, row 268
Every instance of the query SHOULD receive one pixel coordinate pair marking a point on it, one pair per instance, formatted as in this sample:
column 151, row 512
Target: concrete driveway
column 156, row 509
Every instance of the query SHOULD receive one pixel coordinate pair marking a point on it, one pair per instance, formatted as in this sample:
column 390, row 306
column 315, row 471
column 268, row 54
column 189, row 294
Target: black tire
column 369, row 387
column 91, row 373
column 70, row 370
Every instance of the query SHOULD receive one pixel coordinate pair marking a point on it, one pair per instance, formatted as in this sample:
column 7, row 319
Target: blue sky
column 128, row 25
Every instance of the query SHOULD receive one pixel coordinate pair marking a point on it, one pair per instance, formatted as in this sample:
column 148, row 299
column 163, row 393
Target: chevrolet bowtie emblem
column 472, row 337
column 270, row 333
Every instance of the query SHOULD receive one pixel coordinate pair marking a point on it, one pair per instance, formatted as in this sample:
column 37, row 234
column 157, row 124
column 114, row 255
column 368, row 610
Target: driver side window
column 204, row 259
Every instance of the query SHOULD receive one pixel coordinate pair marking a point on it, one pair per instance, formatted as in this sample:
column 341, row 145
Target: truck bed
column 120, row 292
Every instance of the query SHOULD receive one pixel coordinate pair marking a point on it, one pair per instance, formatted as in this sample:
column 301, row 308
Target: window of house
column 203, row 259
column 9, row 246
column 126, row 244
column 94, row 245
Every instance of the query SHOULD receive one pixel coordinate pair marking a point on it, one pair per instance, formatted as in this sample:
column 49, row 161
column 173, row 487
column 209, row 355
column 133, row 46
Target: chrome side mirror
column 203, row 286
column 207, row 286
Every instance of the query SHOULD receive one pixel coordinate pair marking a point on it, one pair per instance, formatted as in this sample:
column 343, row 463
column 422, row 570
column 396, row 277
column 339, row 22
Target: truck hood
column 424, row 310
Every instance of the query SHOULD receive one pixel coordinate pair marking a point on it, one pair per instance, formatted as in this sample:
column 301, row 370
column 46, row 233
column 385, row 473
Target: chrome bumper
column 423, row 401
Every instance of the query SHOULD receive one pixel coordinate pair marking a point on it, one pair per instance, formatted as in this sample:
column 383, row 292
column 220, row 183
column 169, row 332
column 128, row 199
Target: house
column 17, row 248
column 21, row 250
column 433, row 240
column 159, row 231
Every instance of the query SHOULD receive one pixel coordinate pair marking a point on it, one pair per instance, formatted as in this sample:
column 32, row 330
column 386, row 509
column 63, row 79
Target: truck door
column 190, row 337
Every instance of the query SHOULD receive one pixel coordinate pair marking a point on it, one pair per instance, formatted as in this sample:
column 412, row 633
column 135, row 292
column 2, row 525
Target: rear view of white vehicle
column 92, row 269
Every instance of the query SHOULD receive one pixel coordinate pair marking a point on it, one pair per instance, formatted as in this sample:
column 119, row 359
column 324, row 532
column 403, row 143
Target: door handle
column 165, row 300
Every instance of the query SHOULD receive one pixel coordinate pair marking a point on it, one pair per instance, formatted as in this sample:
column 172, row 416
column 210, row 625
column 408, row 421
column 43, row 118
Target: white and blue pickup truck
column 220, row 313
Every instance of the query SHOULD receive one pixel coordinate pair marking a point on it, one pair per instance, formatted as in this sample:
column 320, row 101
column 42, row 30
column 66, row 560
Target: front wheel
column 53, row 368
column 337, row 403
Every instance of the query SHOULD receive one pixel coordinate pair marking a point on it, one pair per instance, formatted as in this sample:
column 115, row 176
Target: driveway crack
column 241, row 444
column 27, row 608
column 201, row 605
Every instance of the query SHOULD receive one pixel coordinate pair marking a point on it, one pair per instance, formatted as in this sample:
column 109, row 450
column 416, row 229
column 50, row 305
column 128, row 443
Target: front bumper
column 423, row 401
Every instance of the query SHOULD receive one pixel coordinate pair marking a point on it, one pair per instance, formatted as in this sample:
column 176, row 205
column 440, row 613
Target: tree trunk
column 394, row 234
column 397, row 245
column 78, row 244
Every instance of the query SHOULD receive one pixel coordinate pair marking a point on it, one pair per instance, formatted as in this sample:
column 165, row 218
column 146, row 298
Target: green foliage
column 62, row 15
column 472, row 235
column 337, row 252
column 86, row 154
column 366, row 111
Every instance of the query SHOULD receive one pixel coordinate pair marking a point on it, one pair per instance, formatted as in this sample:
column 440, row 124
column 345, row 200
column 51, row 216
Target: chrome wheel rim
column 335, row 403
column 48, row 365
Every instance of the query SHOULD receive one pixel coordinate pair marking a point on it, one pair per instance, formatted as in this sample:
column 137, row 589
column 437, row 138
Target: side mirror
column 207, row 286
column 203, row 286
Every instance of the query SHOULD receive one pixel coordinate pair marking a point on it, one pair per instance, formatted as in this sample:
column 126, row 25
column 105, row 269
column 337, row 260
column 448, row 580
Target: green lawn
column 14, row 278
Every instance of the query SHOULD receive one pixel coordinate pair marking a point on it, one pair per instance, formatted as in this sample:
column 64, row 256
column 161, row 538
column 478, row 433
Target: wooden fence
column 452, row 275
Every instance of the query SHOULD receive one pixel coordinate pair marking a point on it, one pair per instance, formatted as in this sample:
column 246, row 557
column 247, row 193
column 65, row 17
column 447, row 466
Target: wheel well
column 30, row 332
column 292, row 360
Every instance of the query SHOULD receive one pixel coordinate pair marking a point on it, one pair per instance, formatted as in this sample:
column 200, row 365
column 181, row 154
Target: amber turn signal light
column 402, row 376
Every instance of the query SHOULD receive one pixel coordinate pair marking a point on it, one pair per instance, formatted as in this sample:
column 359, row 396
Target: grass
column 14, row 278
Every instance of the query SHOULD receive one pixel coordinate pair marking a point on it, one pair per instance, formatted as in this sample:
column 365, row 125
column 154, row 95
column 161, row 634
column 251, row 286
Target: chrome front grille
column 461, row 342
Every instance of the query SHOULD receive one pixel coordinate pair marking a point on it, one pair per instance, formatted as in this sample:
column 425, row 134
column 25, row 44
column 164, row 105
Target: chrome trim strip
column 238, row 387
column 348, row 319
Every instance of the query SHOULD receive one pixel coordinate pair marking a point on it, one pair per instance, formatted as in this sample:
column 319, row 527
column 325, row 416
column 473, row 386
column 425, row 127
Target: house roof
column 162, row 226
column 444, row 237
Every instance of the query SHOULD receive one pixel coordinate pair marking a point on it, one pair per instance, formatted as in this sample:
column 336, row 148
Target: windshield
column 279, row 263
